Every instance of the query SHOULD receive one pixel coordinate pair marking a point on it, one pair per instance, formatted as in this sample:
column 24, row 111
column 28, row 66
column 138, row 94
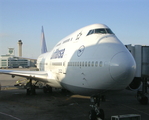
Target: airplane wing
column 42, row 76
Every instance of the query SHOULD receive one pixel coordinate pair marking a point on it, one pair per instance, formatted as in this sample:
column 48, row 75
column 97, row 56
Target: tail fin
column 43, row 42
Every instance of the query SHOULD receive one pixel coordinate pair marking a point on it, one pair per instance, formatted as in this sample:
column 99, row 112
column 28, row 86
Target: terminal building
column 8, row 61
column 11, row 61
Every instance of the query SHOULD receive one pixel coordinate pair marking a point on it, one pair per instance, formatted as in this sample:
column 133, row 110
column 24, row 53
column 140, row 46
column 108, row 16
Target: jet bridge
column 141, row 56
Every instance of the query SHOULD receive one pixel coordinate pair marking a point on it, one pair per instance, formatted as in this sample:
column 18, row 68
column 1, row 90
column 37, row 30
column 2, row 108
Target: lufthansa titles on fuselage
column 58, row 54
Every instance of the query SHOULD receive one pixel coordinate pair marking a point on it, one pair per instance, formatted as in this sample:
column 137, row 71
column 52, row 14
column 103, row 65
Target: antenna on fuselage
column 43, row 42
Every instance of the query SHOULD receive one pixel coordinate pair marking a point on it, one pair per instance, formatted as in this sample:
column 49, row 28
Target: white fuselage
column 89, row 63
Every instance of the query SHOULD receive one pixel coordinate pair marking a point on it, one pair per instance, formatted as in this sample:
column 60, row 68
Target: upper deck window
column 100, row 31
column 90, row 32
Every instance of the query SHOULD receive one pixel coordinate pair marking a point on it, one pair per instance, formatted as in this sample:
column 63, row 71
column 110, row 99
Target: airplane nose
column 122, row 67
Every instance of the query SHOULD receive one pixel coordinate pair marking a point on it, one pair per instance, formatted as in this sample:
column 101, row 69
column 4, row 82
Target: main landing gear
column 30, row 88
column 96, row 112
column 47, row 89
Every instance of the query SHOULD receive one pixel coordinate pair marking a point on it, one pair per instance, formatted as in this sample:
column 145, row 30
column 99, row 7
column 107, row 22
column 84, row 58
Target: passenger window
column 92, row 63
column 96, row 63
column 78, row 64
column 89, row 64
column 85, row 64
column 100, row 64
column 75, row 63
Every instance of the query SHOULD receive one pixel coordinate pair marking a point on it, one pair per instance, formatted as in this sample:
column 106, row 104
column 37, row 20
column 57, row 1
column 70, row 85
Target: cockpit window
column 90, row 32
column 100, row 31
column 109, row 31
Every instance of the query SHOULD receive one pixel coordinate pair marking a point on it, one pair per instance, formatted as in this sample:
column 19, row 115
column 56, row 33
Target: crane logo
column 80, row 50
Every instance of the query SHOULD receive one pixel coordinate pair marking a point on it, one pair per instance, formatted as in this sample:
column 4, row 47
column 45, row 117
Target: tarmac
column 16, row 105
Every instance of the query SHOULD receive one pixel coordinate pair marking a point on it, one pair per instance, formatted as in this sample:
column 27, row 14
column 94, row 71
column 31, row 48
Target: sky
column 23, row 19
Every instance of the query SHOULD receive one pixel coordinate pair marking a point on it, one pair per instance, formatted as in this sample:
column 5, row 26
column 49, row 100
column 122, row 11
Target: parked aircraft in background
column 91, row 61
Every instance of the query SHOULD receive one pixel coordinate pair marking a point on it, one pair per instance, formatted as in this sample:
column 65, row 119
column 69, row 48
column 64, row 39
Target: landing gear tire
column 31, row 90
column 142, row 98
column 28, row 91
column 64, row 90
column 47, row 89
column 101, row 114
column 96, row 112
column 92, row 115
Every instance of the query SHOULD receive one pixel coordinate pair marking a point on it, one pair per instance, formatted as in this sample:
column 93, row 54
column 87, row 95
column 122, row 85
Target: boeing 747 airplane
column 91, row 61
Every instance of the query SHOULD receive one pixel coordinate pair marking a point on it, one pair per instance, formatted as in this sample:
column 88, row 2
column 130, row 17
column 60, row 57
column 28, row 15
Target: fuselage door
column 64, row 64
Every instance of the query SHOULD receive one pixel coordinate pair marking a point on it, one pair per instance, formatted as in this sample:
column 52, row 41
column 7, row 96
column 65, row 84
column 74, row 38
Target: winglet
column 43, row 42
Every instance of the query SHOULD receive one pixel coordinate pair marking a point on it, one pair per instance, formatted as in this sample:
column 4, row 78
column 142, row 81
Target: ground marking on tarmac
column 136, row 109
column 9, row 116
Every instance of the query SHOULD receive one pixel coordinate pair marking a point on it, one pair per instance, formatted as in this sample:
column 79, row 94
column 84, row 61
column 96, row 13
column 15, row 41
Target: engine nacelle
column 135, row 84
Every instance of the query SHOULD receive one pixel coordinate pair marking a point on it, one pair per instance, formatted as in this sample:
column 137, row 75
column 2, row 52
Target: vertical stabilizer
column 43, row 42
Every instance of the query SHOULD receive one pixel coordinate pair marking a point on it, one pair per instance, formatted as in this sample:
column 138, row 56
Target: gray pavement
column 16, row 105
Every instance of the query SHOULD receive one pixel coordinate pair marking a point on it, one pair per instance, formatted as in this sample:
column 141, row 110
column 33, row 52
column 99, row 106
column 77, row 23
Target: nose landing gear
column 142, row 95
column 96, row 112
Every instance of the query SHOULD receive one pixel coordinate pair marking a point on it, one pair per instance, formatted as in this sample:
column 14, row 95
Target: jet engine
column 135, row 84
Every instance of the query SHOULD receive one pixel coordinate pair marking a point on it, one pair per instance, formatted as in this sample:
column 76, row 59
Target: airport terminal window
column 3, row 60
